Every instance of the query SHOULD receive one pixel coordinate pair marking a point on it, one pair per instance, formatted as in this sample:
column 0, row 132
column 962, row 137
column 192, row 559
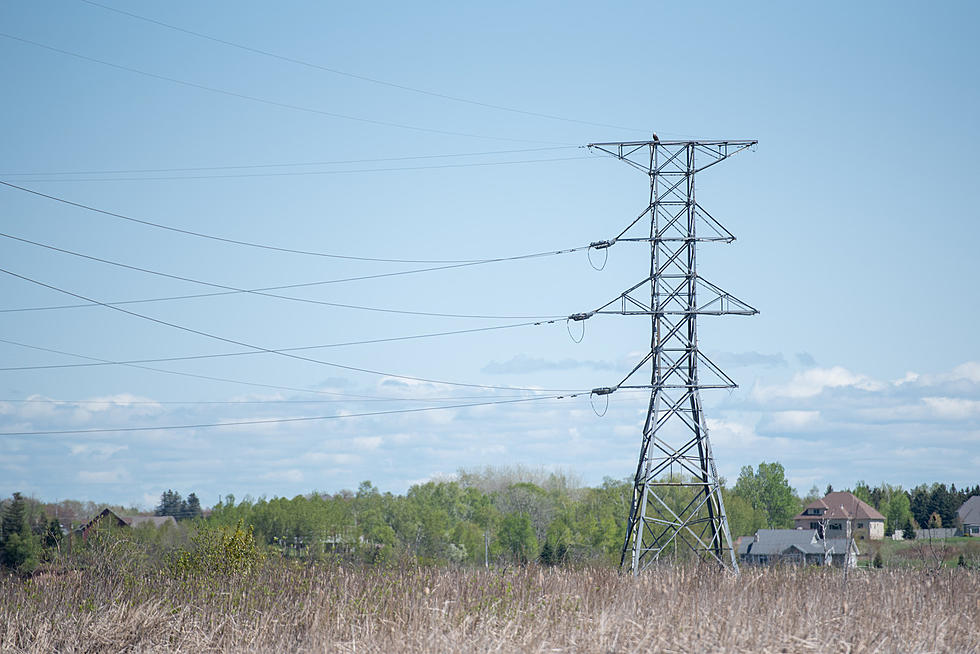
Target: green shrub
column 220, row 551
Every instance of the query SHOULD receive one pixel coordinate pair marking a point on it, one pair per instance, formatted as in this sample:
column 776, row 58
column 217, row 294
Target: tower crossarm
column 677, row 498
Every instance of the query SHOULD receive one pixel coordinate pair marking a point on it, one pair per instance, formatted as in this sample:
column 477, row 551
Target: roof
column 772, row 542
column 132, row 521
column 969, row 513
column 841, row 505
column 155, row 520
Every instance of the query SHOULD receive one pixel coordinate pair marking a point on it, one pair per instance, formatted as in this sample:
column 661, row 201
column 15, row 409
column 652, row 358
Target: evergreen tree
column 193, row 506
column 909, row 531
column 18, row 547
column 170, row 504
column 52, row 535
column 547, row 556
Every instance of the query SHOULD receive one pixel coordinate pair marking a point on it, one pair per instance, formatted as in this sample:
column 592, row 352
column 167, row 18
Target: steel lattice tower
column 677, row 497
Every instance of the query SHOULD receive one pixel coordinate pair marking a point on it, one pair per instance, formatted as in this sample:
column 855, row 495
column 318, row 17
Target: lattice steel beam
column 676, row 491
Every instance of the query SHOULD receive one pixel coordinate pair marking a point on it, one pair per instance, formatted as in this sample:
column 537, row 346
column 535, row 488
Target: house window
column 860, row 525
column 834, row 526
column 814, row 525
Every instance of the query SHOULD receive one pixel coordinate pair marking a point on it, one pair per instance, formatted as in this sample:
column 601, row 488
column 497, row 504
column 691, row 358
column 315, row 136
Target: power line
column 285, row 165
column 195, row 357
column 230, row 290
column 359, row 397
column 123, row 404
column 363, row 78
column 289, row 355
column 266, row 101
column 304, row 173
column 263, row 246
column 54, row 432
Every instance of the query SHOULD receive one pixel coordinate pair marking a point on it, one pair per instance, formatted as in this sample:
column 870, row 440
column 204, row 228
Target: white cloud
column 814, row 381
column 292, row 475
column 103, row 476
column 793, row 420
column 952, row 408
column 909, row 378
column 368, row 442
column 97, row 450
column 333, row 457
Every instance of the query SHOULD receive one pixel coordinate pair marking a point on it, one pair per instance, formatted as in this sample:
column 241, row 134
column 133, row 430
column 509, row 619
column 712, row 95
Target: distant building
column 109, row 518
column 796, row 547
column 842, row 515
column 968, row 516
column 935, row 532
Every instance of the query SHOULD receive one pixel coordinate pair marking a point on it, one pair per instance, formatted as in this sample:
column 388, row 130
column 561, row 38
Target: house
column 797, row 547
column 843, row 516
column 968, row 516
column 109, row 518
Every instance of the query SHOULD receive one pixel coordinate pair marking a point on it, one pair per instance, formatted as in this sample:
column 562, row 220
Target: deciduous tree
column 768, row 491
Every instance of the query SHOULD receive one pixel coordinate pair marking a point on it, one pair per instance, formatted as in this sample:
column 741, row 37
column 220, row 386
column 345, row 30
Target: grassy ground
column 337, row 608
column 923, row 553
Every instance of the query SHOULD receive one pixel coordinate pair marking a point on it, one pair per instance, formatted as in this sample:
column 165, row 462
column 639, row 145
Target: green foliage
column 172, row 504
column 743, row 519
column 877, row 561
column 896, row 511
column 219, row 551
column 19, row 549
column 517, row 536
column 768, row 491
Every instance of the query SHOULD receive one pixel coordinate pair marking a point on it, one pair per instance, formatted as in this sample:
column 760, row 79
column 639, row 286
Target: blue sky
column 452, row 132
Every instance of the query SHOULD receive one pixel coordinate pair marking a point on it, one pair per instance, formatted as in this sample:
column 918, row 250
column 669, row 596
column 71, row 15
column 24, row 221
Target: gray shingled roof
column 969, row 513
column 772, row 542
column 156, row 521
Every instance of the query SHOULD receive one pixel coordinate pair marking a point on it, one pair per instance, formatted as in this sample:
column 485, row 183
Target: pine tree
column 18, row 547
column 547, row 554
column 193, row 506
column 170, row 504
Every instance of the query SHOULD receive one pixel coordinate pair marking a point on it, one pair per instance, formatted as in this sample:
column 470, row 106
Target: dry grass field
column 336, row 608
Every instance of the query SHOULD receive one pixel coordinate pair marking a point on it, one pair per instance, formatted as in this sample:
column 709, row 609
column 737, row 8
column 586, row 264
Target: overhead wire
column 196, row 357
column 266, row 101
column 289, row 355
column 293, row 164
column 347, row 396
column 227, row 290
column 237, row 423
column 363, row 78
column 127, row 403
column 263, row 246
column 190, row 375
column 304, row 173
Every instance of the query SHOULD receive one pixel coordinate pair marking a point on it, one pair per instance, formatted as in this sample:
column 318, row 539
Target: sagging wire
column 602, row 391
column 599, row 245
column 577, row 317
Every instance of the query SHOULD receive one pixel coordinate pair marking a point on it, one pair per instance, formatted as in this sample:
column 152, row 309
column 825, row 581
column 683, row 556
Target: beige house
column 842, row 515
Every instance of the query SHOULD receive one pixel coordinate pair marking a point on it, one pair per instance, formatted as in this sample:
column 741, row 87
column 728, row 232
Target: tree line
column 490, row 515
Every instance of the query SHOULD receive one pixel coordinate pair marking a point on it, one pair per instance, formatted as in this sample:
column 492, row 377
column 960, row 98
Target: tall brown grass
column 338, row 608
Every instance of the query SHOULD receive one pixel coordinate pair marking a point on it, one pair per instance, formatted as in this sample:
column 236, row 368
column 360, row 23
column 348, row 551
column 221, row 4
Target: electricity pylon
column 677, row 497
